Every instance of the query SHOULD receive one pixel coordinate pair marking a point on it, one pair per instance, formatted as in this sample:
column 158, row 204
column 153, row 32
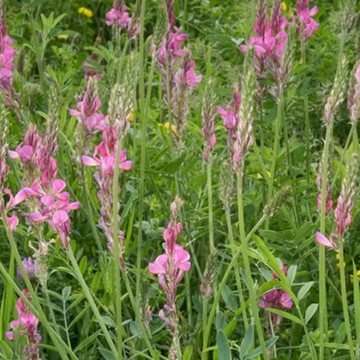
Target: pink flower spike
column 323, row 240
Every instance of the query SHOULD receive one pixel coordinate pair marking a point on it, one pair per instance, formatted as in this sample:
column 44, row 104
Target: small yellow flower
column 86, row 12
column 352, row 276
column 171, row 127
column 132, row 116
column 62, row 37
column 284, row 6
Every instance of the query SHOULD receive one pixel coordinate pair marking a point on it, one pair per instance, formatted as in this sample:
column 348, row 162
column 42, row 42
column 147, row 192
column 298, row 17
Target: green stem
column 249, row 280
column 344, row 301
column 228, row 271
column 91, row 301
column 237, row 275
column 276, row 147
column 210, row 207
column 322, row 261
column 116, row 254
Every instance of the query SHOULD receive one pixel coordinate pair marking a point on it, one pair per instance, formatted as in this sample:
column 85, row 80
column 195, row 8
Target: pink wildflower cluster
column 119, row 17
column 87, row 112
column 177, row 70
column 239, row 136
column 7, row 55
column 32, row 268
column 270, row 38
column 305, row 23
column 104, row 158
column 40, row 169
column 170, row 267
column 345, row 203
column 276, row 298
column 26, row 326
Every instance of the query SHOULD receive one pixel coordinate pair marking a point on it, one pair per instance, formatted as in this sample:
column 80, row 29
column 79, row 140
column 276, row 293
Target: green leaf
column 107, row 354
column 220, row 321
column 223, row 346
column 286, row 315
column 135, row 329
column 247, row 341
column 310, row 312
column 258, row 351
column 188, row 353
column 5, row 350
column 229, row 299
column 304, row 290
column 66, row 291
column 291, row 274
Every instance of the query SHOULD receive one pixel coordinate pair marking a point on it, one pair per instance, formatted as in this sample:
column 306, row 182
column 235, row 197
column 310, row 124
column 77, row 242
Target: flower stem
column 116, row 254
column 344, row 301
column 237, row 275
column 210, row 206
column 249, row 280
column 322, row 265
column 278, row 127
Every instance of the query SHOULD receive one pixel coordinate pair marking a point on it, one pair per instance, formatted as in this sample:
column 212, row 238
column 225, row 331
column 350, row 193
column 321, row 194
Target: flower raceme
column 118, row 17
column 270, row 37
column 306, row 24
column 26, row 325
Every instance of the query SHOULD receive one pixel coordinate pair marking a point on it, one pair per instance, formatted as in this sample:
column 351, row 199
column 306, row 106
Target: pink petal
column 88, row 161
column 13, row 154
column 323, row 240
column 58, row 185
column 13, row 222
column 126, row 165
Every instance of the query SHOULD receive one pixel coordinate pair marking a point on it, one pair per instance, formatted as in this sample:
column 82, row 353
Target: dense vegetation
column 178, row 179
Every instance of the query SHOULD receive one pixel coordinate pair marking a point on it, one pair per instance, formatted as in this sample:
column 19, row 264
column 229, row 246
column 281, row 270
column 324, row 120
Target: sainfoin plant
column 241, row 118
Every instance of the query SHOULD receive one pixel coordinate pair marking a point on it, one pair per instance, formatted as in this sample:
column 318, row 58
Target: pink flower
column 323, row 240
column 171, row 49
column 171, row 234
column 228, row 116
column 307, row 25
column 118, row 16
column 186, row 75
column 31, row 267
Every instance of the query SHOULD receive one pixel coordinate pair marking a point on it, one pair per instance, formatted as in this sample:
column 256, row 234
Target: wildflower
column 118, row 16
column 307, row 25
column 170, row 269
column 208, row 121
column 328, row 242
column 62, row 37
column 86, row 12
column 31, row 268
column 345, row 203
column 270, row 37
column 278, row 299
column 88, row 107
column 169, row 127
column 26, row 326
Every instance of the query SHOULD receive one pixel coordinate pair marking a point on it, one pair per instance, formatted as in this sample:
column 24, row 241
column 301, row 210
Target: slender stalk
column 116, row 254
column 276, row 147
column 91, row 301
column 344, row 299
column 237, row 275
column 249, row 280
column 323, row 322
column 210, row 206
column 228, row 271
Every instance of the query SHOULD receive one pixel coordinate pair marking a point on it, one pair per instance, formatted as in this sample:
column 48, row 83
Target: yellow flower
column 62, row 37
column 352, row 276
column 132, row 116
column 86, row 12
column 171, row 127
column 284, row 6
